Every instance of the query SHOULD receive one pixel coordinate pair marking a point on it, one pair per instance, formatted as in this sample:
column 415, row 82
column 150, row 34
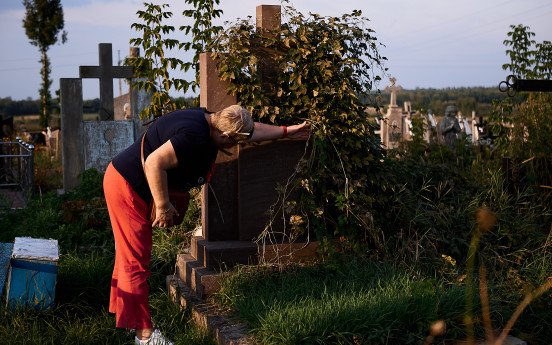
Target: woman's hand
column 164, row 216
column 301, row 131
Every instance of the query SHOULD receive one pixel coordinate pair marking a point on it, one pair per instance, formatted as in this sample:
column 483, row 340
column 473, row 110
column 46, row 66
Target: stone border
column 209, row 317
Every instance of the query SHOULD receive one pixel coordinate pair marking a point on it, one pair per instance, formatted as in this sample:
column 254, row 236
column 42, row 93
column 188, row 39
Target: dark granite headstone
column 262, row 169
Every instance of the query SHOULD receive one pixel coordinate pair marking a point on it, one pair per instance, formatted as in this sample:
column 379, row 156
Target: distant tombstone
column 393, row 91
column 119, row 103
column 394, row 125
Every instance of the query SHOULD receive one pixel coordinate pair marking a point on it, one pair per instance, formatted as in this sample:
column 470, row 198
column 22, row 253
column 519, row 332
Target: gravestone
column 92, row 144
column 103, row 140
column 236, row 202
column 394, row 124
column 105, row 72
column 448, row 128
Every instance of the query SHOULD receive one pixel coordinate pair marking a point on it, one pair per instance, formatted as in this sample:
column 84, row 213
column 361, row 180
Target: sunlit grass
column 367, row 302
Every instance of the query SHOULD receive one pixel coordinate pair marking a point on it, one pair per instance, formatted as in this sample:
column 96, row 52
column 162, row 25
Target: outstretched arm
column 269, row 132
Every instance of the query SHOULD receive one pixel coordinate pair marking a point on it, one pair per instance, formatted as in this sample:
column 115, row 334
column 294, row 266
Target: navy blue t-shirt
column 189, row 133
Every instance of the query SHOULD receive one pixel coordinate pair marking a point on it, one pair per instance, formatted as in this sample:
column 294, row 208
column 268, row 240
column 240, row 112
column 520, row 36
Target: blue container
column 33, row 273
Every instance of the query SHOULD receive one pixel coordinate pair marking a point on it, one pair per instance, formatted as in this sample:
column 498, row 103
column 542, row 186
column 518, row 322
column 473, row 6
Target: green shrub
column 314, row 68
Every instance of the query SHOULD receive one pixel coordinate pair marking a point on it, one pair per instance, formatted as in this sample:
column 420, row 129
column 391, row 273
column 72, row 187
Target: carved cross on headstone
column 106, row 72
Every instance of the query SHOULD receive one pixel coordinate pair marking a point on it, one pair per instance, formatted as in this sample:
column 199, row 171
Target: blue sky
column 429, row 43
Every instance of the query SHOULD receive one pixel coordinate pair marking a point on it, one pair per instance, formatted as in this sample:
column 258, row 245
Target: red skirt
column 129, row 298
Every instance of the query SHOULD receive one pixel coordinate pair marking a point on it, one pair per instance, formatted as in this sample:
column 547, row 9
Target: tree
column 43, row 25
column 154, row 68
column 203, row 32
column 523, row 123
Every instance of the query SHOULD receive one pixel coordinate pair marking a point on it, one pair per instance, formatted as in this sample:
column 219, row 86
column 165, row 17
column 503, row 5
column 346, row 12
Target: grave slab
column 262, row 168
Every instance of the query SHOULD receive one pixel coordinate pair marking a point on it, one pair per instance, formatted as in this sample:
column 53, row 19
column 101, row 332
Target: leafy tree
column 524, row 122
column 543, row 60
column 43, row 25
column 202, row 30
column 154, row 67
column 521, row 56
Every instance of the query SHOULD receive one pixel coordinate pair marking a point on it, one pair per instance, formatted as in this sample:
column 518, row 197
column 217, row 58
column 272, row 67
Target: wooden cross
column 106, row 72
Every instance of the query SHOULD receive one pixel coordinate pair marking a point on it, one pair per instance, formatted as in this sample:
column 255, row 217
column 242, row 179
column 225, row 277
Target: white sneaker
column 156, row 338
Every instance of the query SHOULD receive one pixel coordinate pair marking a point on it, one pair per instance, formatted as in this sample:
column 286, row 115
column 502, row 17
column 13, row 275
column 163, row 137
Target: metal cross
column 512, row 85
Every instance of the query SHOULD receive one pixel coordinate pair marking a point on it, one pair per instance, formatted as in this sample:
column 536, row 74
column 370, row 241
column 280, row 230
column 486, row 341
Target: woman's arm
column 155, row 168
column 269, row 132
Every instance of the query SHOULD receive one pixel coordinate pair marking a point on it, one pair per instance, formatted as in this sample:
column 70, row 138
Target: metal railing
column 17, row 166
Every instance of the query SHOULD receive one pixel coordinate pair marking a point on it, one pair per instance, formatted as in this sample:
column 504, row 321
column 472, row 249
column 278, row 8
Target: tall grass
column 358, row 302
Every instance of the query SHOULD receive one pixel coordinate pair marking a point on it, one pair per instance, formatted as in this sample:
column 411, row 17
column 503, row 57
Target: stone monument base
column 200, row 269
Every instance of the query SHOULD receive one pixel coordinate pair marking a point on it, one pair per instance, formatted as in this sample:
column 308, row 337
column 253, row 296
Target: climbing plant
column 320, row 68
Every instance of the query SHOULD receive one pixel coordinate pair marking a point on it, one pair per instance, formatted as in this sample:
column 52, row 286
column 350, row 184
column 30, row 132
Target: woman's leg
column 133, row 240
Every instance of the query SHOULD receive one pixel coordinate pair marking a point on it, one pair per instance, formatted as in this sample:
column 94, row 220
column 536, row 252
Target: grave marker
column 106, row 72
column 72, row 156
column 92, row 144
column 235, row 204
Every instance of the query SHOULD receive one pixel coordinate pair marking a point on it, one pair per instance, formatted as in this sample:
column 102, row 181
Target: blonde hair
column 233, row 120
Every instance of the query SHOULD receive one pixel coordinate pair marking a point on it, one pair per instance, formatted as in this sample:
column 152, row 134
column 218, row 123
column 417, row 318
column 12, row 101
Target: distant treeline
column 466, row 99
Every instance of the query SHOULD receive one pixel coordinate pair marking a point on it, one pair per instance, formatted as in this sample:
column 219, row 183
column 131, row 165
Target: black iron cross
column 512, row 85
column 106, row 72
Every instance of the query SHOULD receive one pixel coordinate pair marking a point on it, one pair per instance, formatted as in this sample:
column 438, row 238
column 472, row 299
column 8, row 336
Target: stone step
column 209, row 317
column 201, row 281
column 217, row 255
column 221, row 255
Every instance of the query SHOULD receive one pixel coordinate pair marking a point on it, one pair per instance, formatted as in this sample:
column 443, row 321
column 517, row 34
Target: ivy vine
column 324, row 68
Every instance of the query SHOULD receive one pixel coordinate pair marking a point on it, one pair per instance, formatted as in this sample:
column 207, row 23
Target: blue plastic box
column 33, row 273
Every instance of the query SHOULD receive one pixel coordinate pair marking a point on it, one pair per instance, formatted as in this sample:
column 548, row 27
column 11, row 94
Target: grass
column 358, row 302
